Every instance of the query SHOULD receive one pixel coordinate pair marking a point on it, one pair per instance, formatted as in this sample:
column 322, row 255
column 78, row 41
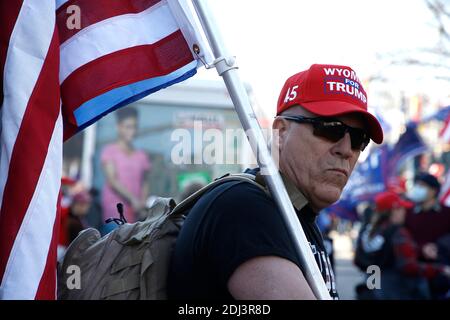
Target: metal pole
column 226, row 68
column 88, row 155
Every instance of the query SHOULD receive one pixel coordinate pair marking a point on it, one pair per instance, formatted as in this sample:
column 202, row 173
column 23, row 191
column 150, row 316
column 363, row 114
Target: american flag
column 64, row 65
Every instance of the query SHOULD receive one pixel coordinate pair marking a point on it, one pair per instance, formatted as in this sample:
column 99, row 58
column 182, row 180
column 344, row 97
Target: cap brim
column 406, row 204
column 330, row 108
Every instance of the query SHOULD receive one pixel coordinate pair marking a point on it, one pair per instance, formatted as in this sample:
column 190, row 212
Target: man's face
column 398, row 216
column 320, row 168
column 80, row 209
column 431, row 193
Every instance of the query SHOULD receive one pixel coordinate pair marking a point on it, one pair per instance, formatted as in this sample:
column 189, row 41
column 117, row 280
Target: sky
column 273, row 40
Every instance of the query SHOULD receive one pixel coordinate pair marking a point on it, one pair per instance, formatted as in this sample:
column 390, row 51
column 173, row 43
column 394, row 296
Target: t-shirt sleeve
column 244, row 223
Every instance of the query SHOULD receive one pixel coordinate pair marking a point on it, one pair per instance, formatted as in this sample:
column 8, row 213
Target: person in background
column 428, row 220
column 392, row 248
column 363, row 254
column 95, row 216
column 70, row 189
column 76, row 219
column 429, row 224
column 126, row 171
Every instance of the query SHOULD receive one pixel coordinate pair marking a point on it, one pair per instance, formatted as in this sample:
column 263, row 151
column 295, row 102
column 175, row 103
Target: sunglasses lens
column 359, row 139
column 334, row 133
column 331, row 133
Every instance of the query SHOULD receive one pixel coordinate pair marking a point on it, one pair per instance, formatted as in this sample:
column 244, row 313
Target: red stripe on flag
column 92, row 12
column 47, row 285
column 9, row 11
column 121, row 68
column 30, row 150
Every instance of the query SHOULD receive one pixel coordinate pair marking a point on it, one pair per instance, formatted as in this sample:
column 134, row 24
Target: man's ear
column 281, row 126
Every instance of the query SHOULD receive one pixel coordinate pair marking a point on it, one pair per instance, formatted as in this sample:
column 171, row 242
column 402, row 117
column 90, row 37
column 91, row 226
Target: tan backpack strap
column 246, row 177
column 261, row 181
column 160, row 208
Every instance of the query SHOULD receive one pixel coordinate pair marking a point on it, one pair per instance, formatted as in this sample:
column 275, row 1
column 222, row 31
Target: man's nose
column 343, row 148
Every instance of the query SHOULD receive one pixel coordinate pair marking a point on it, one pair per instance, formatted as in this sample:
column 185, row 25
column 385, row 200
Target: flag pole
column 226, row 67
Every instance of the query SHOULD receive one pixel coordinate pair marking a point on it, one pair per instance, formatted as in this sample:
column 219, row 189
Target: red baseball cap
column 329, row 90
column 385, row 201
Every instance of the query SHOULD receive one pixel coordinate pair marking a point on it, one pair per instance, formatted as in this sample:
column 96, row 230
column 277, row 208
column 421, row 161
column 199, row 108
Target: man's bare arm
column 269, row 277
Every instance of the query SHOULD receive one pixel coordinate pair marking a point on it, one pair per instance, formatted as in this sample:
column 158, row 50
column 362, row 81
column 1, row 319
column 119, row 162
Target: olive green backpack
column 131, row 262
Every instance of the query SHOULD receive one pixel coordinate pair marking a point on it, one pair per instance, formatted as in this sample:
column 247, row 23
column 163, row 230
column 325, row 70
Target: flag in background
column 379, row 172
column 55, row 76
column 409, row 145
column 444, row 134
column 385, row 125
column 445, row 190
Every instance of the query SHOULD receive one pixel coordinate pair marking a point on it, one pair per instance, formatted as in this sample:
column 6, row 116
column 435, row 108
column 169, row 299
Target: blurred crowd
column 406, row 233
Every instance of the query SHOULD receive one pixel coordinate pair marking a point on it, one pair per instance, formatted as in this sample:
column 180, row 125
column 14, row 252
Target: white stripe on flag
column 114, row 34
column 184, row 13
column 28, row 256
column 31, row 34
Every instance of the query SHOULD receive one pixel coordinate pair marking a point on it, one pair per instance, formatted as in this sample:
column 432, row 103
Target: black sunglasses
column 334, row 130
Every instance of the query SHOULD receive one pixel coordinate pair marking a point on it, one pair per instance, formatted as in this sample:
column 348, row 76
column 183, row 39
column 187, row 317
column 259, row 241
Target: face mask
column 417, row 193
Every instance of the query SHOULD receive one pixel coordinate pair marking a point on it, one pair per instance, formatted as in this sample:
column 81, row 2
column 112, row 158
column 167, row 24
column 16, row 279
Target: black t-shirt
column 229, row 225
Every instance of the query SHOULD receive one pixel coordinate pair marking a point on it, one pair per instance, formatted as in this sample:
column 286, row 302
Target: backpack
column 131, row 262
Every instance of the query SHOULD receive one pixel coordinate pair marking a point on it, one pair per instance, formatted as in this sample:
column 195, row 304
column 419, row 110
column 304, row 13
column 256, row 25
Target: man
column 429, row 225
column 234, row 243
column 428, row 221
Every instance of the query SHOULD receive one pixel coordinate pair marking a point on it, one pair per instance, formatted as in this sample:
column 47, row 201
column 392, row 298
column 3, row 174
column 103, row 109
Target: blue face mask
column 417, row 193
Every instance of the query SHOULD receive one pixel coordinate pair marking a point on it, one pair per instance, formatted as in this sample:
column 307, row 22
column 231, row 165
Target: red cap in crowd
column 389, row 200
